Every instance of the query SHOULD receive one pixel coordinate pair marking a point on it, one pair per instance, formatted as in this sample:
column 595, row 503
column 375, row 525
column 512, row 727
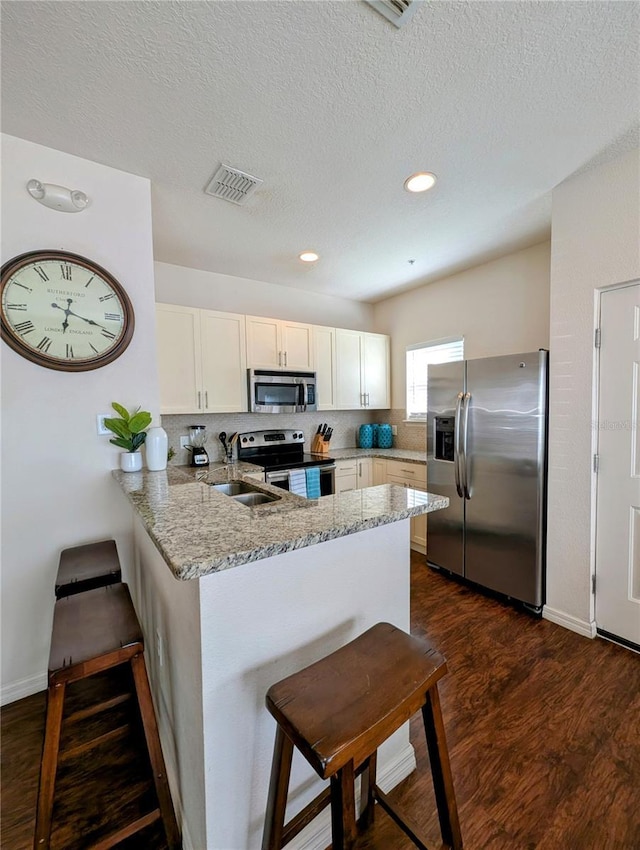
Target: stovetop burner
column 277, row 450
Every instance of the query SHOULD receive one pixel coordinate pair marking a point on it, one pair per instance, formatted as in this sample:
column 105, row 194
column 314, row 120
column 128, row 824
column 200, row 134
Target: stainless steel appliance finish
column 327, row 479
column 486, row 451
column 281, row 452
column 272, row 391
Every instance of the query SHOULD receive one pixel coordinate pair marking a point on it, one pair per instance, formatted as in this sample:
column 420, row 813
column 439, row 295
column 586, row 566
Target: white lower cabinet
column 365, row 473
column 412, row 475
column 346, row 475
column 379, row 471
column 201, row 360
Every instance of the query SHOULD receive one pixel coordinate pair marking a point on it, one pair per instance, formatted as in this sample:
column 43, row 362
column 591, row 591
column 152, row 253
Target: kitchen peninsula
column 233, row 598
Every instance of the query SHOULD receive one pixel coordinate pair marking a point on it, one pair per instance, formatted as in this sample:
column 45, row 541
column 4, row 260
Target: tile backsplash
column 345, row 424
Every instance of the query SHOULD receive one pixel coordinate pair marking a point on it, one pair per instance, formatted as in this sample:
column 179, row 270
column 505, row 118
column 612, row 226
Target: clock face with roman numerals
column 63, row 311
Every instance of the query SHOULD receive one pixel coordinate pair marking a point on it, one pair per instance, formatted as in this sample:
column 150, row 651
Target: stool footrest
column 111, row 735
column 304, row 817
column 401, row 820
column 127, row 831
column 84, row 713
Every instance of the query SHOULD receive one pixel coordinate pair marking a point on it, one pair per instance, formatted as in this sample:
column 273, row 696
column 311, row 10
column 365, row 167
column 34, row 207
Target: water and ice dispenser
column 443, row 444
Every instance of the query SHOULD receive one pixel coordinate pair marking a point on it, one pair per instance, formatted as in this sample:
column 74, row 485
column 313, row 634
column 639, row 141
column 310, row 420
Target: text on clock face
column 46, row 315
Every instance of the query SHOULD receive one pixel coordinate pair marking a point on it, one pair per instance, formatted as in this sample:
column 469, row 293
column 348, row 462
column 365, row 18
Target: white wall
column 56, row 487
column 594, row 244
column 501, row 307
column 212, row 291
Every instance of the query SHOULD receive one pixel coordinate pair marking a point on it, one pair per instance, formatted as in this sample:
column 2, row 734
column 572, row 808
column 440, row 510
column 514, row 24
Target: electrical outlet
column 184, row 442
column 394, row 430
column 100, row 424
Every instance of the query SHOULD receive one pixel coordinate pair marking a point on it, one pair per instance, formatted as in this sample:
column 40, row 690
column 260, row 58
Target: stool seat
column 341, row 708
column 86, row 567
column 89, row 626
column 337, row 712
column 95, row 631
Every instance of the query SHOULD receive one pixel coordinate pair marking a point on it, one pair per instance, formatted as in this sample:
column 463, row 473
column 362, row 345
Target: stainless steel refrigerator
column 486, row 451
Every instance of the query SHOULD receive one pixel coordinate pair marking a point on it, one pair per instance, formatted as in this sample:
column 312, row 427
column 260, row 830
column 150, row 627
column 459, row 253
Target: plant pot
column 131, row 461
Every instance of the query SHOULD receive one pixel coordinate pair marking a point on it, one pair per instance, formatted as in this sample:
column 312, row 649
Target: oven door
column 280, row 478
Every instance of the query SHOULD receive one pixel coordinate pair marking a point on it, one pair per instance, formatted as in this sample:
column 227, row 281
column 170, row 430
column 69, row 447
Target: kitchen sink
column 245, row 493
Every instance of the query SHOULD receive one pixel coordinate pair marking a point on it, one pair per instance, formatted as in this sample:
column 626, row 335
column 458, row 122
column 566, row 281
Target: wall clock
column 64, row 312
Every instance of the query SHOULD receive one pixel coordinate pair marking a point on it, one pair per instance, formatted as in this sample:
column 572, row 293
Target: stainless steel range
column 281, row 452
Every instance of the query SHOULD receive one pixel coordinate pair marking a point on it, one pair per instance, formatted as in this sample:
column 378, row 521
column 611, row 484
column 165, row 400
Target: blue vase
column 375, row 429
column 385, row 437
column 365, row 437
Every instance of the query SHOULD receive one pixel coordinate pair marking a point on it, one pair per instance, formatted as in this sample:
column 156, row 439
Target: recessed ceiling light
column 309, row 256
column 420, row 182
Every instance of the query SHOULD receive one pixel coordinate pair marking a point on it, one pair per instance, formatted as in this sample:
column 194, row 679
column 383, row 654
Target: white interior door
column 618, row 500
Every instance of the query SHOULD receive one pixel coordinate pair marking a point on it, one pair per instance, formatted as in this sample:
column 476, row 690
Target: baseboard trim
column 23, row 688
column 317, row 835
column 574, row 624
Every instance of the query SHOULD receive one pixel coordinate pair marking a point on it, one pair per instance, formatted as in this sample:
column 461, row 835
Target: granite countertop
column 408, row 455
column 199, row 530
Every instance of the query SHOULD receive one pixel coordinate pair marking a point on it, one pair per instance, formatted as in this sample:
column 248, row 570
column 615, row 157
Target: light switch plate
column 184, row 442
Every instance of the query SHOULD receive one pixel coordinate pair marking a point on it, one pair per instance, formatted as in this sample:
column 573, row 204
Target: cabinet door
column 264, row 348
column 179, row 363
column 375, row 361
column 365, row 472
column 379, row 471
column 297, row 346
column 224, row 365
column 324, row 349
column 346, row 475
column 348, row 363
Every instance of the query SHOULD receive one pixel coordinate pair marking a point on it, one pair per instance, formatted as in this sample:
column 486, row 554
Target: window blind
column 419, row 357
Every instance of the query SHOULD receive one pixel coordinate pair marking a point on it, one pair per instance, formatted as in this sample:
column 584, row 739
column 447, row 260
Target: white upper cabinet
column 201, row 360
column 276, row 344
column 362, row 370
column 324, row 351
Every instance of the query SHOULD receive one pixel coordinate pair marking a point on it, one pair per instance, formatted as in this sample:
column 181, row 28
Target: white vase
column 131, row 461
column 157, row 446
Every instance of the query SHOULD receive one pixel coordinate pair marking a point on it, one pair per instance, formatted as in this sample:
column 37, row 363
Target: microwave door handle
column 456, row 444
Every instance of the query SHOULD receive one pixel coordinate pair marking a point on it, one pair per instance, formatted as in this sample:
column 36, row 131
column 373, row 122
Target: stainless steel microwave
column 271, row 391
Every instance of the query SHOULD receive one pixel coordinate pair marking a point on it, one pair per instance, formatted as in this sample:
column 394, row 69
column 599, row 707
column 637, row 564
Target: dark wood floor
column 543, row 729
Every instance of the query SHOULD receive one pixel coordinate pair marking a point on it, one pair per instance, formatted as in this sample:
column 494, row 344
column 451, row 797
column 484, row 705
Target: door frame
column 595, row 439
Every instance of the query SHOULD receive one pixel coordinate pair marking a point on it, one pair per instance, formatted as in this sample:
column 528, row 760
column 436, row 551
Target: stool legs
column 368, row 791
column 150, row 726
column 343, row 809
column 278, row 787
column 441, row 771
column 55, row 703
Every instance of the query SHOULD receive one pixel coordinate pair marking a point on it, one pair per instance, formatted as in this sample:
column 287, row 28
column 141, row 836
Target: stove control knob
column 244, row 439
column 251, row 439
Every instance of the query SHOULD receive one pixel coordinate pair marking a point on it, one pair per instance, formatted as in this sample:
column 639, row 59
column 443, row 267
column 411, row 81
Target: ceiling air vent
column 232, row 185
column 396, row 11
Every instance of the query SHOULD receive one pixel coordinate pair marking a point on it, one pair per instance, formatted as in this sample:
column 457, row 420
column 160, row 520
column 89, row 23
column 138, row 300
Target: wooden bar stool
column 337, row 712
column 87, row 567
column 93, row 632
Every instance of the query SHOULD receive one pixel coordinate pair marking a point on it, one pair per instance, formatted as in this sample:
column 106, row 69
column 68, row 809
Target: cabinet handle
column 285, row 359
column 279, row 358
column 367, row 399
column 199, row 400
column 206, row 399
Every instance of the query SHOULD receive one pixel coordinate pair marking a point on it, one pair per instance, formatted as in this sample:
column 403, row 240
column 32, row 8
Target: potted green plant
column 130, row 431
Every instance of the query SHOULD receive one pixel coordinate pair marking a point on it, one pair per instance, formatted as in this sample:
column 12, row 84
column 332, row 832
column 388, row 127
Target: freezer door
column 505, row 474
column 445, row 529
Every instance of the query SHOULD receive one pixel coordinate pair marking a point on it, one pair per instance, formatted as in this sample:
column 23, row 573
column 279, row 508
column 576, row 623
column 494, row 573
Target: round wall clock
column 64, row 312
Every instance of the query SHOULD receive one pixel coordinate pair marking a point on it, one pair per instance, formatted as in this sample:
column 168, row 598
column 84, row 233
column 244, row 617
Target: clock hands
column 68, row 312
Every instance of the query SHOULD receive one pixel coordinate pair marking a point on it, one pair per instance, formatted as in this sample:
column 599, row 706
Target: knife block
column 319, row 446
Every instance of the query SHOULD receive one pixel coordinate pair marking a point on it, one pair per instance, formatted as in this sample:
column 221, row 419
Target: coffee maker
column 197, row 438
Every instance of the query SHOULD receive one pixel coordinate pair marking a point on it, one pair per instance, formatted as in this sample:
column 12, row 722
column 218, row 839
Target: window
column 418, row 359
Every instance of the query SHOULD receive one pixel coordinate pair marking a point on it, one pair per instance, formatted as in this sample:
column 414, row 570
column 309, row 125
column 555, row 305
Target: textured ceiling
column 332, row 107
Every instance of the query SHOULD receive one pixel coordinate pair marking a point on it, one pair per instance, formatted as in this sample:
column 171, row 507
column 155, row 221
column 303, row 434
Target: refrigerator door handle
column 456, row 444
column 465, row 430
